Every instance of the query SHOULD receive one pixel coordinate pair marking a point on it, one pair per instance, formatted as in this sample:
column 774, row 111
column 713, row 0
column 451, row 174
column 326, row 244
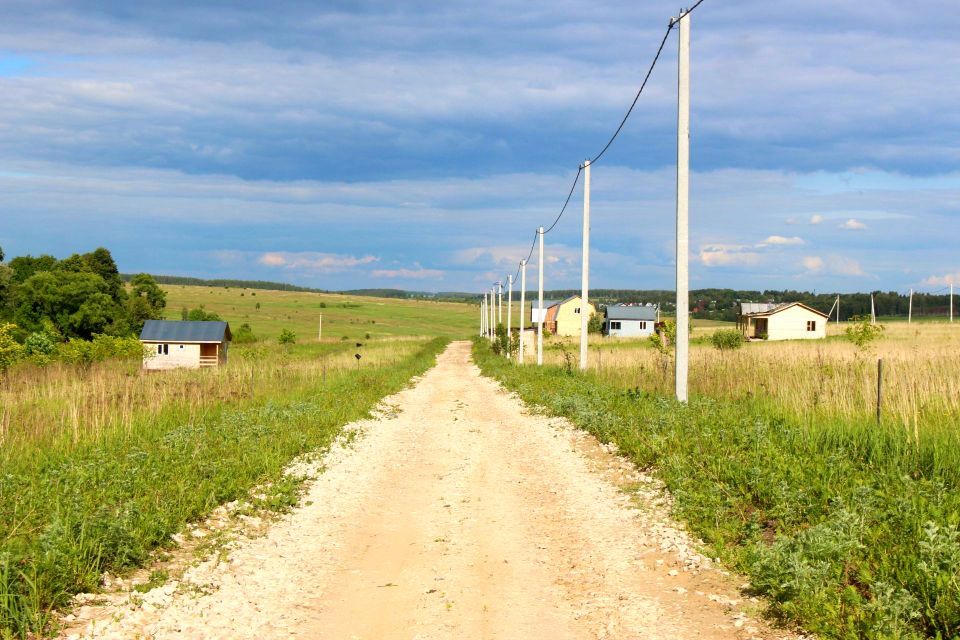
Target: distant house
column 786, row 321
column 535, row 310
column 629, row 321
column 189, row 344
column 563, row 318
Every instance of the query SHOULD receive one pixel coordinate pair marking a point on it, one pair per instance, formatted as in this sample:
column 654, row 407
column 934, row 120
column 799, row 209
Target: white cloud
column 719, row 255
column 945, row 280
column 812, row 263
column 313, row 261
column 418, row 273
column 816, row 219
column 781, row 241
column 845, row 266
column 853, row 223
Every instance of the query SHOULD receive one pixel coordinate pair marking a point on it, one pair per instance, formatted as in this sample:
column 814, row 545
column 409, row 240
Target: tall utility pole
column 500, row 302
column 683, row 192
column 910, row 308
column 523, row 303
column 509, row 309
column 483, row 315
column 951, row 303
column 493, row 313
column 838, row 308
column 320, row 329
column 585, row 269
column 540, row 304
column 873, row 311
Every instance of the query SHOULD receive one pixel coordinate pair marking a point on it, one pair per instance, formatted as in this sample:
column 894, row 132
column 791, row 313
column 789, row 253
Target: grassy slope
column 849, row 533
column 351, row 316
column 70, row 512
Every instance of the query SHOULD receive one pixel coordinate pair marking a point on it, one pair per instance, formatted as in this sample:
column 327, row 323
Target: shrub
column 10, row 350
column 595, row 324
column 244, row 335
column 727, row 339
column 39, row 346
column 862, row 332
column 287, row 337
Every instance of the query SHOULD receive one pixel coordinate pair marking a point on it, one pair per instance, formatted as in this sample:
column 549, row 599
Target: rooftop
column 185, row 331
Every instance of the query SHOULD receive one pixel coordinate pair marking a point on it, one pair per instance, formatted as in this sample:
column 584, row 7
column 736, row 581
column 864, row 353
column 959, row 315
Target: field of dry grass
column 829, row 378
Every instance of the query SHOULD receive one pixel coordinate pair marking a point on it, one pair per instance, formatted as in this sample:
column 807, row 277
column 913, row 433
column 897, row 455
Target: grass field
column 849, row 530
column 819, row 381
column 101, row 464
column 352, row 316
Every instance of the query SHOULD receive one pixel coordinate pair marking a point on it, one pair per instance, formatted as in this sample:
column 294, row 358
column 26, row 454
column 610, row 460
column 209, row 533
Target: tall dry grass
column 823, row 379
column 63, row 405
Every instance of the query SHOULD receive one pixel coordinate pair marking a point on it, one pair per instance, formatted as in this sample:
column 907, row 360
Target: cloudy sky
column 419, row 144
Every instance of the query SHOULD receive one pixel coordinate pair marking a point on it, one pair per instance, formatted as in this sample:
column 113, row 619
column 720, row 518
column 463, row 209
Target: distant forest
column 716, row 304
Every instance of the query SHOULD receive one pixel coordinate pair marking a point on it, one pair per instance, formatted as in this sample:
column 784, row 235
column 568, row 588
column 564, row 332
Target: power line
column 637, row 97
column 573, row 186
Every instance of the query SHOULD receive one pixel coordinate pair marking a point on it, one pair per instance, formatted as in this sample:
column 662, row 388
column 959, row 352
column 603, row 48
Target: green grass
column 848, row 532
column 71, row 510
column 351, row 316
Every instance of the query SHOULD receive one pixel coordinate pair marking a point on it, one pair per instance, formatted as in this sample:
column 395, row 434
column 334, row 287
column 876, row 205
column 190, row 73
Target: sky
column 418, row 145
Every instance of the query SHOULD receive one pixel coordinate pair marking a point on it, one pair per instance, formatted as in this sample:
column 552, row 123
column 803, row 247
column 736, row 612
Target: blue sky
column 419, row 144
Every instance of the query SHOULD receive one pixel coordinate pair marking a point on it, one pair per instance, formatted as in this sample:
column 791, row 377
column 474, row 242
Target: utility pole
column 523, row 303
column 585, row 268
column 683, row 192
column 493, row 313
column 509, row 310
column 951, row 303
column 500, row 302
column 483, row 315
column 540, row 313
column 838, row 308
column 320, row 329
column 910, row 308
column 873, row 311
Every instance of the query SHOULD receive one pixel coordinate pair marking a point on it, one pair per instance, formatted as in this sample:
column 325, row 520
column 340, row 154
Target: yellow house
column 563, row 318
column 787, row 321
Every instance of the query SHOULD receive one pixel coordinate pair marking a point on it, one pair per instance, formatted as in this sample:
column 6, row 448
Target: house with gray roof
column 184, row 344
column 630, row 320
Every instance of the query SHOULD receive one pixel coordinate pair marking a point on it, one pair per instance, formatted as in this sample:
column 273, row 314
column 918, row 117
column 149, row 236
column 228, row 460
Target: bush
column 862, row 332
column 287, row 337
column 727, row 339
column 40, row 346
column 11, row 351
column 244, row 335
column 202, row 314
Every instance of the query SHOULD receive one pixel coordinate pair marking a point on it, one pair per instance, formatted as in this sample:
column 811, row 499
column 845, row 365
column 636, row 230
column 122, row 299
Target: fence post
column 879, row 386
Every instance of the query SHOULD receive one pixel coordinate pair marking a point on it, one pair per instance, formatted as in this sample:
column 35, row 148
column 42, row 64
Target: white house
column 785, row 321
column 629, row 320
column 189, row 344
column 535, row 310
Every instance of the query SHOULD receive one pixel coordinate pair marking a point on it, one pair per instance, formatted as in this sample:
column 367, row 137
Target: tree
column 147, row 301
column 10, row 350
column 595, row 324
column 25, row 266
column 862, row 332
column 287, row 337
column 202, row 314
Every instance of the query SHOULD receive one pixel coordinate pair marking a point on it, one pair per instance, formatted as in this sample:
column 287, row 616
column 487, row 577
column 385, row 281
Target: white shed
column 188, row 344
column 785, row 321
column 630, row 320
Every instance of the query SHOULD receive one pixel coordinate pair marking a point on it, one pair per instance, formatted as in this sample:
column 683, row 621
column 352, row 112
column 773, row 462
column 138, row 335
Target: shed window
column 643, row 324
column 163, row 349
column 811, row 325
column 577, row 310
column 614, row 324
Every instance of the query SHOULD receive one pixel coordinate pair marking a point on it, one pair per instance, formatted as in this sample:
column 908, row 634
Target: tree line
column 79, row 297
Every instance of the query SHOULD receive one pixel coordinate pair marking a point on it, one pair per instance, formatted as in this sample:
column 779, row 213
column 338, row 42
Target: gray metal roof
column 546, row 304
column 757, row 307
column 631, row 312
column 185, row 331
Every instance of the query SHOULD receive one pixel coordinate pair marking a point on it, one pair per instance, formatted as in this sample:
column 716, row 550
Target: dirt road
column 461, row 516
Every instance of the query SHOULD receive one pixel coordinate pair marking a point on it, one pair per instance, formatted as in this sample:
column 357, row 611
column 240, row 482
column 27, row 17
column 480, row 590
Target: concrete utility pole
column 873, row 311
column 483, row 315
column 540, row 304
column 493, row 313
column 509, row 310
column 500, row 302
column 320, row 329
column 523, row 303
column 585, row 268
column 910, row 308
column 683, row 192
column 838, row 308
column 951, row 303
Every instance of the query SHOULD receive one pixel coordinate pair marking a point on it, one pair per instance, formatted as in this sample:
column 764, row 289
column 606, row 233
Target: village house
column 563, row 318
column 187, row 344
column 630, row 320
column 535, row 310
column 785, row 321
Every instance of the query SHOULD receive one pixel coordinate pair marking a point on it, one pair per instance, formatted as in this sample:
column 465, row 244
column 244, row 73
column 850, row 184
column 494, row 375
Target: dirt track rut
column 462, row 515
